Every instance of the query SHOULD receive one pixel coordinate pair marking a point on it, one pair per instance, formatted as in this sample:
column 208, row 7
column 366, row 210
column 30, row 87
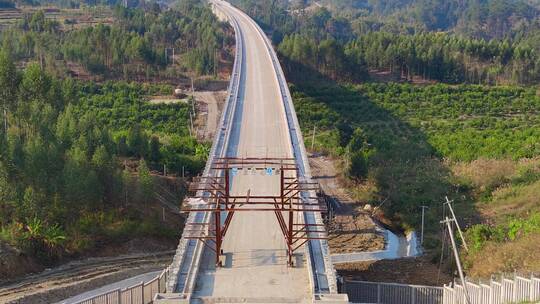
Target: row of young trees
column 434, row 56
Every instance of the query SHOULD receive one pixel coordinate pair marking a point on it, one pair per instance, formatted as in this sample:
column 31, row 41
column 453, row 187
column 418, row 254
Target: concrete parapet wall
column 185, row 265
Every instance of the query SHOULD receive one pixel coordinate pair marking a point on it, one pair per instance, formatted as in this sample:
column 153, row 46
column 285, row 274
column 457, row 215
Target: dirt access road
column 209, row 107
column 353, row 229
column 78, row 276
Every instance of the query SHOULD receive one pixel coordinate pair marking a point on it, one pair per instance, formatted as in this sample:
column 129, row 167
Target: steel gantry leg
column 217, row 199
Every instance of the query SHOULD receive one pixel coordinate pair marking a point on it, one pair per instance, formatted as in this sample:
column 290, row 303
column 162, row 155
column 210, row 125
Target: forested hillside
column 417, row 100
column 64, row 189
column 138, row 45
column 347, row 48
column 478, row 18
column 80, row 161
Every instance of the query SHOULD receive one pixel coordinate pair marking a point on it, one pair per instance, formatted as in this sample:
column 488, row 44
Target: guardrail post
column 119, row 296
column 515, row 291
column 413, row 295
column 491, row 291
column 531, row 289
column 378, row 293
column 503, row 290
column 142, row 292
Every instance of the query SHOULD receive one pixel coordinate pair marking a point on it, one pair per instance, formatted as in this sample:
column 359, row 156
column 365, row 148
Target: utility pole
column 347, row 153
column 215, row 62
column 192, row 97
column 5, row 122
column 458, row 262
column 449, row 203
column 173, row 55
column 313, row 138
column 422, row 235
column 191, row 121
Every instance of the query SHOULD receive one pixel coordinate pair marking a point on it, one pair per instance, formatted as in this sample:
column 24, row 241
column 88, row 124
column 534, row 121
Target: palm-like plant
column 54, row 237
column 34, row 229
column 44, row 239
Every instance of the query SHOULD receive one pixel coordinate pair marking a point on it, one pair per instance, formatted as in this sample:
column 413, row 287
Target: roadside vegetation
column 81, row 161
column 506, row 193
column 455, row 112
column 65, row 184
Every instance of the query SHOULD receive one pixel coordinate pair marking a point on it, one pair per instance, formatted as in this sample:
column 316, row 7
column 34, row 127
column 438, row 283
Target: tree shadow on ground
column 407, row 170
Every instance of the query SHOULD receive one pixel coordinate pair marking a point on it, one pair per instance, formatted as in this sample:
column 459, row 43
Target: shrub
column 478, row 235
column 358, row 167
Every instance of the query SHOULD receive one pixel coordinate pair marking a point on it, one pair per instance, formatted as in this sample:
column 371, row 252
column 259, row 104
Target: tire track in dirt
column 76, row 277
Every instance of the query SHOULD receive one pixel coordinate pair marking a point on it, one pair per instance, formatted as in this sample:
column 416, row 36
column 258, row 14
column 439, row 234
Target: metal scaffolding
column 213, row 194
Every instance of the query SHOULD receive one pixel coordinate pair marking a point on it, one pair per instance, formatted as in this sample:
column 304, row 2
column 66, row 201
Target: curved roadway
column 256, row 266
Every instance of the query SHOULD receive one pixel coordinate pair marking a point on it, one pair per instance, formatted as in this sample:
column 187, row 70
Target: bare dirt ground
column 386, row 75
column 79, row 17
column 78, row 276
column 14, row 263
column 167, row 100
column 353, row 229
column 417, row 271
column 209, row 107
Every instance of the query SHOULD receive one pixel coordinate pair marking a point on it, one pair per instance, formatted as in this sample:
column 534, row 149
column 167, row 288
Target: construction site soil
column 352, row 228
column 418, row 271
column 56, row 284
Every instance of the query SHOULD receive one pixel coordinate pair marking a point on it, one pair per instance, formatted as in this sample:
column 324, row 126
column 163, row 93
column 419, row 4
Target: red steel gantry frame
column 213, row 194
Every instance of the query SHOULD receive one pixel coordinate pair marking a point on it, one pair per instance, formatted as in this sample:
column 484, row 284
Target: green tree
column 6, row 196
column 137, row 141
column 358, row 141
column 30, row 207
column 122, row 146
column 9, row 82
column 146, row 182
column 358, row 167
column 345, row 131
column 155, row 154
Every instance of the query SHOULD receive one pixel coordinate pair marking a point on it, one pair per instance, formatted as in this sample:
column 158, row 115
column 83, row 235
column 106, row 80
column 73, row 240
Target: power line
column 313, row 138
column 422, row 235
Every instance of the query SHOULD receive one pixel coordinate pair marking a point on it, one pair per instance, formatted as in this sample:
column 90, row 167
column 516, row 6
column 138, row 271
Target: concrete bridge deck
column 258, row 121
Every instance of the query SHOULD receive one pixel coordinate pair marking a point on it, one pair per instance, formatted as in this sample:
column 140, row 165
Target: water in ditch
column 397, row 246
